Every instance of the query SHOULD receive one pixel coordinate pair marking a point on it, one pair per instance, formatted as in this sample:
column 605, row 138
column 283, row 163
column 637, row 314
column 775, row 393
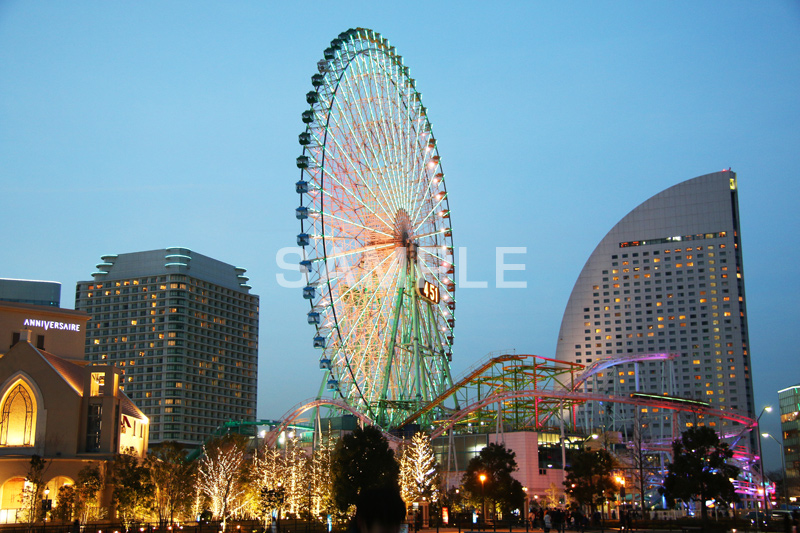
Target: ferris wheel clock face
column 375, row 231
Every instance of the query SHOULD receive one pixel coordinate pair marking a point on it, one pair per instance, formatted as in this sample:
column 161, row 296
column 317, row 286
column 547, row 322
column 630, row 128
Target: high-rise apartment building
column 668, row 278
column 183, row 328
column 789, row 400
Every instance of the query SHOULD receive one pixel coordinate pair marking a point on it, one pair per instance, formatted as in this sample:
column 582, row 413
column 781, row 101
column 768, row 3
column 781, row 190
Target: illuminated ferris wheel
column 375, row 231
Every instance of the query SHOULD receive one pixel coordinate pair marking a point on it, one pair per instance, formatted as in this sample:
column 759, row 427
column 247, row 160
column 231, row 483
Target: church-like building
column 68, row 413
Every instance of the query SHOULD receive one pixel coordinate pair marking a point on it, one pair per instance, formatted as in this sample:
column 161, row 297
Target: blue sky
column 129, row 126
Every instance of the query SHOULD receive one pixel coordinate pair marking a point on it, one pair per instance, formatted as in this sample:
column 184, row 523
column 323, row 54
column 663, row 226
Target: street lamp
column 767, row 409
column 621, row 482
column 783, row 463
column 482, row 477
column 46, row 504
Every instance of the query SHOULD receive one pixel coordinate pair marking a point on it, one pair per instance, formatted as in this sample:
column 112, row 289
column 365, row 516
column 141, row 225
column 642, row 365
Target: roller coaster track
column 295, row 412
column 584, row 397
column 564, row 393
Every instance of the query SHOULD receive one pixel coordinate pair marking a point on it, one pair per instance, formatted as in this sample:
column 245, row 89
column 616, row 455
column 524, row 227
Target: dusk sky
column 129, row 126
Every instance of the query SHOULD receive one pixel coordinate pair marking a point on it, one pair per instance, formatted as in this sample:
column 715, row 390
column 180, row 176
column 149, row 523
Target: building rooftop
column 173, row 260
column 31, row 291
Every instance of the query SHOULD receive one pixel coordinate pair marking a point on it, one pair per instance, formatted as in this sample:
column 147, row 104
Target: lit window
column 18, row 416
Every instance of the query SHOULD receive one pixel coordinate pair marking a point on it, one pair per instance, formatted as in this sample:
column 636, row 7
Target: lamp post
column 482, row 477
column 46, row 504
column 620, row 495
column 783, row 464
column 766, row 409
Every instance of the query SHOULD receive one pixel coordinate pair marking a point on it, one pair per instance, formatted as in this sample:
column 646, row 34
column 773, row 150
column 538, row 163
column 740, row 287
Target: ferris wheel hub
column 403, row 230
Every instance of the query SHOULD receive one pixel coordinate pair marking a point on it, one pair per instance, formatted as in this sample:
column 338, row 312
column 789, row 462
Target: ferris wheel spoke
column 413, row 156
column 429, row 193
column 375, row 294
column 405, row 144
column 389, row 133
column 397, row 134
column 359, row 250
column 420, row 191
column 364, row 276
column 374, row 337
column 354, row 327
column 417, row 169
column 356, row 94
column 357, row 197
column 424, row 249
column 345, row 116
column 355, row 168
column 355, row 224
column 376, row 100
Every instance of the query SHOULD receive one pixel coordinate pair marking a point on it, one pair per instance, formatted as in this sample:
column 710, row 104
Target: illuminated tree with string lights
column 322, row 480
column 297, row 481
column 266, row 482
column 221, row 477
column 419, row 472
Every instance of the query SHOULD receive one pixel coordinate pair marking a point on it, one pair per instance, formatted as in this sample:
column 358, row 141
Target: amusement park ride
column 377, row 240
column 376, row 233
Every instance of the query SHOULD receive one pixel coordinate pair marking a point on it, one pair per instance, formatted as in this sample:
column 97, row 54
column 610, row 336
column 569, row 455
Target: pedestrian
column 378, row 511
column 579, row 521
column 548, row 522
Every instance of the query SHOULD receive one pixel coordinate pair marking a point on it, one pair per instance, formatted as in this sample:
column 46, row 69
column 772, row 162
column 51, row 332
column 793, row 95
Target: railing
column 285, row 525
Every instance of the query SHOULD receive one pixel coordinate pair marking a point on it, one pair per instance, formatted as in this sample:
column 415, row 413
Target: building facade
column 183, row 329
column 668, row 278
column 789, row 400
column 25, row 291
column 50, row 328
column 68, row 413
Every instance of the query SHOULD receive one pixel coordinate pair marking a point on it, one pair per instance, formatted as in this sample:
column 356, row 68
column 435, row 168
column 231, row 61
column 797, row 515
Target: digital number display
column 428, row 291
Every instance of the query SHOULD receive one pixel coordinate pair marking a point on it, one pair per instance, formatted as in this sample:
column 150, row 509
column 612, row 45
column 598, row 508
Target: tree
column 322, row 480
column 221, row 476
column 32, row 493
column 552, row 495
column 172, row 478
column 297, row 478
column 589, row 481
column 640, row 461
column 132, row 496
column 361, row 460
column 66, row 502
column 699, row 470
column 89, row 483
column 500, row 488
column 267, row 483
column 419, row 472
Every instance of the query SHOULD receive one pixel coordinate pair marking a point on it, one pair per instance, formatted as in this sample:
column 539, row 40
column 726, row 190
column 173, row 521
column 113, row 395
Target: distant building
column 183, row 328
column 789, row 400
column 27, row 291
column 70, row 414
column 669, row 277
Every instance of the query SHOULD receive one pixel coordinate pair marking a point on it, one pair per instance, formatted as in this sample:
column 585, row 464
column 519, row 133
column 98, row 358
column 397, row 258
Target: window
column 18, row 422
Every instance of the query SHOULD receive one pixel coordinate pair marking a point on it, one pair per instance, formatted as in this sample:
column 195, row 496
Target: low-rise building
column 68, row 413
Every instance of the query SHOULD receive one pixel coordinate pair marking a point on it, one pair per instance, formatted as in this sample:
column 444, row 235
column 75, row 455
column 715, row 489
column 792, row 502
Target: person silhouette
column 380, row 510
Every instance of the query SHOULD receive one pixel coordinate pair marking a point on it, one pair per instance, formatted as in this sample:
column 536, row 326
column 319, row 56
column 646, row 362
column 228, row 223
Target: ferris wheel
column 375, row 231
